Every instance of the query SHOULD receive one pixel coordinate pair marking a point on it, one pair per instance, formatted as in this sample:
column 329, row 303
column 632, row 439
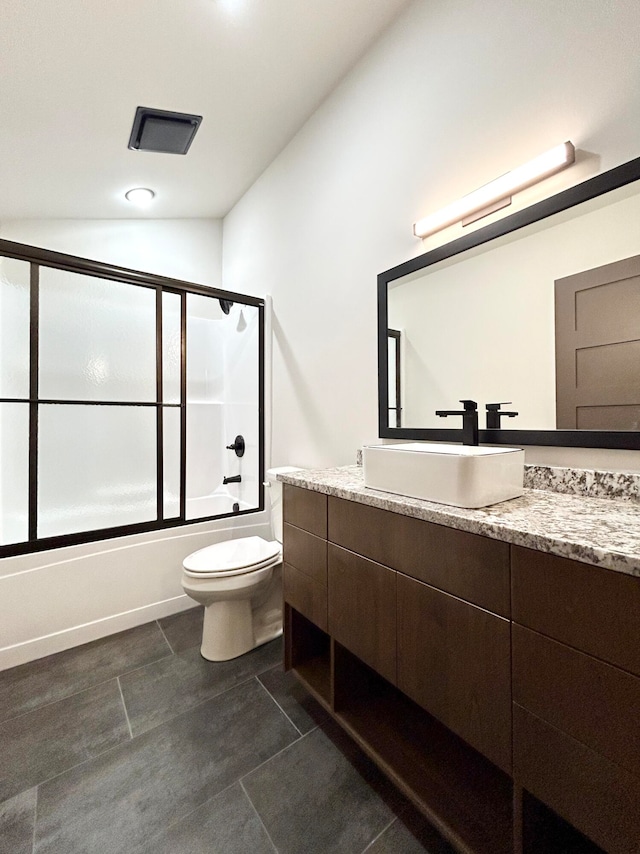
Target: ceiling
column 72, row 73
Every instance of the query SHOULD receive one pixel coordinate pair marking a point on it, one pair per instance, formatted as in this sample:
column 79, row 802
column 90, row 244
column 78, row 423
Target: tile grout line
column 382, row 832
column 264, row 687
column 169, row 720
column 146, row 732
column 258, row 816
column 35, row 822
column 244, row 681
column 82, row 690
column 124, row 706
column 165, row 637
column 182, row 818
column 282, row 750
column 79, row 764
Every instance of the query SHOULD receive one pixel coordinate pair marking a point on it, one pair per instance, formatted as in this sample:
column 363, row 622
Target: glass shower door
column 120, row 393
column 96, row 404
column 222, row 403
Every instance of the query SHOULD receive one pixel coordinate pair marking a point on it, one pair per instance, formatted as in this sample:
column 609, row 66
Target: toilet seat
column 233, row 557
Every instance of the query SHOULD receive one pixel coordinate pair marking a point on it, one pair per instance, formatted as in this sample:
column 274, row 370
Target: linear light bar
column 501, row 189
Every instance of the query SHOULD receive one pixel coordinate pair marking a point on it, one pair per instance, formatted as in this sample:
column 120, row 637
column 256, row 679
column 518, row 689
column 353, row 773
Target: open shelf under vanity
column 465, row 796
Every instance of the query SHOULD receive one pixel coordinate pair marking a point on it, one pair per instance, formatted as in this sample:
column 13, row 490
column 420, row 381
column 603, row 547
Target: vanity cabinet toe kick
column 490, row 682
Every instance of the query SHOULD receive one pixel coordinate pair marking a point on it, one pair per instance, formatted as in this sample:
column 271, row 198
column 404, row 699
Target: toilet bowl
column 239, row 582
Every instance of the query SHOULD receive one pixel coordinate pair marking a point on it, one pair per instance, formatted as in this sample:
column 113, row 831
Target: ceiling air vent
column 163, row 130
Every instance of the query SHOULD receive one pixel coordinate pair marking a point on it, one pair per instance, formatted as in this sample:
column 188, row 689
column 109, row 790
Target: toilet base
column 232, row 627
column 227, row 630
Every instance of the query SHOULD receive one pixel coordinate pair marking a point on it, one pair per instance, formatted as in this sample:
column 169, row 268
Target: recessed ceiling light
column 140, row 196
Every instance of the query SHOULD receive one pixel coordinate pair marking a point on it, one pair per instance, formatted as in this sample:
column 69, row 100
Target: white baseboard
column 11, row 656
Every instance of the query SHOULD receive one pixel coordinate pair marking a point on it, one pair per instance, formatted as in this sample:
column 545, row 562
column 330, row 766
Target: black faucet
column 469, row 420
column 494, row 413
column 235, row 479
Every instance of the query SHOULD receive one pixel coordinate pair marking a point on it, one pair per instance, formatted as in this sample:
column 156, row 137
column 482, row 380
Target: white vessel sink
column 461, row 475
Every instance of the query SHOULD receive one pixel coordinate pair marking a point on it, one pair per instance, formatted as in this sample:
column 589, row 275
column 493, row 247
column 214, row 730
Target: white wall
column 187, row 249
column 454, row 95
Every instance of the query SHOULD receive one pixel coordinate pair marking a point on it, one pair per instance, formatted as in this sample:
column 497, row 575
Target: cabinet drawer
column 306, row 552
column 305, row 595
column 592, row 609
column 597, row 796
column 467, row 565
column 585, row 698
column 454, row 660
column 305, row 509
column 362, row 609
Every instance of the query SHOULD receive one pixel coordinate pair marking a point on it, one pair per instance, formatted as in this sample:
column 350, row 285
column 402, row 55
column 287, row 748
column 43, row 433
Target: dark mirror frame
column 590, row 189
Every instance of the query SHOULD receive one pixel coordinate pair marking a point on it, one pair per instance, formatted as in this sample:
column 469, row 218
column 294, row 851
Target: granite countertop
column 600, row 531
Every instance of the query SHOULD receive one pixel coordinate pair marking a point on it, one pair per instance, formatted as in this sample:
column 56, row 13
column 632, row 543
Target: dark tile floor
column 135, row 745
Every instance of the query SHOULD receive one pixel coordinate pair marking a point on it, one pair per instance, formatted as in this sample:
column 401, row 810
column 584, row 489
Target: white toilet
column 240, row 584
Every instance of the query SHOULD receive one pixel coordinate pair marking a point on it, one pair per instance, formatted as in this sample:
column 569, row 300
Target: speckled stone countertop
column 600, row 531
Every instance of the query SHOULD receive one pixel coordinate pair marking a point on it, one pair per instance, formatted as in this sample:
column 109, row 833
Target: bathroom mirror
column 541, row 309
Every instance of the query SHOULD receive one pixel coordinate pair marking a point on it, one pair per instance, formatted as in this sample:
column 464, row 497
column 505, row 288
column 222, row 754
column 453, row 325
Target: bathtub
column 57, row 599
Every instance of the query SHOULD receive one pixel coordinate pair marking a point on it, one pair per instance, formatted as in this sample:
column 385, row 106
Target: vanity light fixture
column 497, row 194
column 140, row 196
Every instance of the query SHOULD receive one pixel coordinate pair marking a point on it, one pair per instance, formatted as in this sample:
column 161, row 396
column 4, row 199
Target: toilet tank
column 274, row 496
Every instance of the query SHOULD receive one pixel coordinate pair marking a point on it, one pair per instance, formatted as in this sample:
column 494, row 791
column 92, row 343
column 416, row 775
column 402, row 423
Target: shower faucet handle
column 238, row 446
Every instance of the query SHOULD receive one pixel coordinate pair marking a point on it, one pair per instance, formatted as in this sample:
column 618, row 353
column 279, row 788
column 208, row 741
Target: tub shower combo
column 128, row 402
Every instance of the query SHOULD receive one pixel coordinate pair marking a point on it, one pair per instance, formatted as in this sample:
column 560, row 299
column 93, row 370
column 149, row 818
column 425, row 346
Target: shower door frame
column 37, row 258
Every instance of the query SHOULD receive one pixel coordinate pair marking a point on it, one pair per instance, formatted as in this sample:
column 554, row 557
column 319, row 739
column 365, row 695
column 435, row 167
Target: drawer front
column 580, row 695
column 305, row 595
column 592, row 609
column 595, row 795
column 306, row 552
column 455, row 661
column 466, row 565
column 305, row 509
column 362, row 609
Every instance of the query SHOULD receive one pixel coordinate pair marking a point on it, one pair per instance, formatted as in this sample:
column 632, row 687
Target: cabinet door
column 305, row 595
column 454, row 659
column 587, row 607
column 306, row 552
column 305, row 509
column 467, row 565
column 593, row 702
column 362, row 609
column 597, row 796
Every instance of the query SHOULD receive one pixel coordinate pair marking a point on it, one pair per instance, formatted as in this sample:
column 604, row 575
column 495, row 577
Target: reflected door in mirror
column 598, row 348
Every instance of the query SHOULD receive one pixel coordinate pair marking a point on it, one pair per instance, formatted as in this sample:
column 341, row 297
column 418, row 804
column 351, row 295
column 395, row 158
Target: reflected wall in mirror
column 541, row 309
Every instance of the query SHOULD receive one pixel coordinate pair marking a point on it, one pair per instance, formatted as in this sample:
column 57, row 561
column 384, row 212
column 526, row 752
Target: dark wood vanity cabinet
column 498, row 687
column 576, row 694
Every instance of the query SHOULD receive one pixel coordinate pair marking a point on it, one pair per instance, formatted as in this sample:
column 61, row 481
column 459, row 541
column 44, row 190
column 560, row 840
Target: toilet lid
column 233, row 555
